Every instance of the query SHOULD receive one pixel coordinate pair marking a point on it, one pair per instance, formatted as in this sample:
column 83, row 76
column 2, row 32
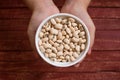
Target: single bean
column 56, row 44
column 59, row 35
column 67, row 41
column 60, row 53
column 66, row 46
column 72, row 45
column 63, row 33
column 51, row 42
column 46, row 55
column 77, row 48
column 54, row 49
column 58, row 26
column 72, row 58
column 82, row 46
column 41, row 34
column 53, row 31
column 82, row 33
column 72, row 29
column 50, row 36
column 69, row 23
column 64, row 21
column 48, row 50
column 68, row 30
column 60, row 48
column 58, row 20
column 42, row 49
column 75, row 55
column 71, row 20
column 52, row 55
column 67, row 57
column 40, row 42
column 62, row 57
column 74, row 24
column 53, row 21
column 75, row 39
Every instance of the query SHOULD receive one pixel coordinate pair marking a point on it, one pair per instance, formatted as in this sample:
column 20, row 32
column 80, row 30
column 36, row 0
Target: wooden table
column 18, row 62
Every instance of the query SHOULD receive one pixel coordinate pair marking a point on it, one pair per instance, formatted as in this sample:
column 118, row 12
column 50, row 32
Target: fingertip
column 89, row 52
column 77, row 65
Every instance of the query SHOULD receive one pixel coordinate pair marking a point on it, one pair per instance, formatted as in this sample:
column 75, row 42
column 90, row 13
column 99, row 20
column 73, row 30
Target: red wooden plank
column 18, row 40
column 24, row 45
column 14, row 24
column 18, row 56
column 40, row 65
column 106, row 44
column 94, row 3
column 107, row 24
column 21, row 13
column 108, row 35
column 59, row 76
column 10, row 45
column 103, row 56
column 15, row 56
column 105, row 3
column 22, row 24
column 13, row 35
column 11, row 4
column 22, row 35
column 104, row 13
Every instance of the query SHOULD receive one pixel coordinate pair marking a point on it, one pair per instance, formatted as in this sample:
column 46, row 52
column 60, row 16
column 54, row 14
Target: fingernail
column 77, row 65
column 89, row 52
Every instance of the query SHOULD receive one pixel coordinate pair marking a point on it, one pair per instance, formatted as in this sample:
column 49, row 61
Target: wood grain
column 24, row 13
column 21, row 56
column 19, row 62
column 12, row 56
column 40, row 65
column 24, row 45
column 57, row 76
column 104, row 13
column 94, row 3
column 22, row 24
column 18, row 40
column 15, row 45
column 14, row 24
column 13, row 35
column 21, row 13
column 105, row 3
column 107, row 24
column 22, row 35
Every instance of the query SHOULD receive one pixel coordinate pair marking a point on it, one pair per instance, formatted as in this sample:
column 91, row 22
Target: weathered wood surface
column 19, row 62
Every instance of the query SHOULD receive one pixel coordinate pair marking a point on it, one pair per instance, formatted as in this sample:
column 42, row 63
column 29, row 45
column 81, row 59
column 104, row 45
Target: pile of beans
column 62, row 39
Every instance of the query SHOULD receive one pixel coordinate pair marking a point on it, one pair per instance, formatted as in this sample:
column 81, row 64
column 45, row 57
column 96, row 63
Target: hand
column 38, row 15
column 79, row 9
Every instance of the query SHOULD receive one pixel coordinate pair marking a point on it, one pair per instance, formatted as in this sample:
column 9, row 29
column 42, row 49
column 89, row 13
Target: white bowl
column 64, row 64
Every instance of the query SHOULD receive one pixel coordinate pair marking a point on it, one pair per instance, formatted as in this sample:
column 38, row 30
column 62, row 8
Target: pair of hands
column 48, row 8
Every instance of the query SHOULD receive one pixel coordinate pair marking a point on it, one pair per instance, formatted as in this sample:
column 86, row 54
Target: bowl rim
column 60, row 64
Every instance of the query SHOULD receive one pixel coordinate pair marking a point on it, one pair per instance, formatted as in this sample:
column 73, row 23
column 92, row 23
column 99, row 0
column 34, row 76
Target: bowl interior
column 62, row 64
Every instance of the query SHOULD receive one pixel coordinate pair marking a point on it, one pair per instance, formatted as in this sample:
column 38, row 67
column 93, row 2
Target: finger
column 33, row 25
column 77, row 65
column 89, row 51
column 92, row 36
column 31, row 35
column 91, row 27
